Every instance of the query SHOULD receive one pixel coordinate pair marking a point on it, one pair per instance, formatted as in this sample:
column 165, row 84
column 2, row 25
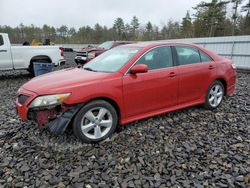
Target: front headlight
column 91, row 55
column 49, row 100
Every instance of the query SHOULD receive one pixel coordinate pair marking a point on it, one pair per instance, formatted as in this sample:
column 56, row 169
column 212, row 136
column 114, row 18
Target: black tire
column 31, row 68
column 209, row 105
column 77, row 122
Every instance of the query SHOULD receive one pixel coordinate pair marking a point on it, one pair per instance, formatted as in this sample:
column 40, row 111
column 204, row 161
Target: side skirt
column 161, row 111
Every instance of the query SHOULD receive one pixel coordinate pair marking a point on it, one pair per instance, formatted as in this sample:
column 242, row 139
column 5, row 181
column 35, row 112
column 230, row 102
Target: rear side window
column 1, row 40
column 187, row 55
column 205, row 57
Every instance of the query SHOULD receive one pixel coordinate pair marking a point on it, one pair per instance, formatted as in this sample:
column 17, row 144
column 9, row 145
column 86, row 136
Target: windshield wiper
column 89, row 69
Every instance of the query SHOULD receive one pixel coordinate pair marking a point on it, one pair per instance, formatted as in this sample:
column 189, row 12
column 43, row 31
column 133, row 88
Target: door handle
column 210, row 67
column 3, row 50
column 172, row 74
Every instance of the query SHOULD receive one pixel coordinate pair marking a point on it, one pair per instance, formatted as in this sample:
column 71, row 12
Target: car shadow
column 14, row 75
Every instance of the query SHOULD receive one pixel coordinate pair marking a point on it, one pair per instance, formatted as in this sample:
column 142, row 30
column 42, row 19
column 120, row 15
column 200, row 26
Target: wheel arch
column 207, row 104
column 224, row 83
column 112, row 102
column 44, row 58
column 41, row 57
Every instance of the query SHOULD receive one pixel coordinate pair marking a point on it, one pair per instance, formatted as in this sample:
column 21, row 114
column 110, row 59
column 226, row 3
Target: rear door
column 154, row 90
column 5, row 54
column 195, row 71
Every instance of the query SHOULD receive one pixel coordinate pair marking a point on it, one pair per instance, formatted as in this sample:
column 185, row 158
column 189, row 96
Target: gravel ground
column 187, row 148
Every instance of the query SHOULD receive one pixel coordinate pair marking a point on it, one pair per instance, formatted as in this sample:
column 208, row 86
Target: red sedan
column 125, row 84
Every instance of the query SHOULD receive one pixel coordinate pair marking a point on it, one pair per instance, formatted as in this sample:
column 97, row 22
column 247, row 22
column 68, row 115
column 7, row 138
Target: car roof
column 128, row 41
column 121, row 41
column 150, row 44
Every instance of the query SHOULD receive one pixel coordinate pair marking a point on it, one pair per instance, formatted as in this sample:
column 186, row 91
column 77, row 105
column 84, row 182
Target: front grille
column 83, row 54
column 22, row 99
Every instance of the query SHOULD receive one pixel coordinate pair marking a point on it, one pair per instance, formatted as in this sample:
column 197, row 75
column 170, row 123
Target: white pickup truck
column 22, row 57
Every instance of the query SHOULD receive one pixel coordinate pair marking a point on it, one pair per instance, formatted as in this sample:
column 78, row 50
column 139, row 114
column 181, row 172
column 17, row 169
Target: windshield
column 112, row 60
column 106, row 45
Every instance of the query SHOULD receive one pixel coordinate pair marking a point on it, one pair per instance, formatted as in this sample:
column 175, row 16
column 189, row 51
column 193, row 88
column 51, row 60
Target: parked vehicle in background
column 125, row 84
column 22, row 57
column 44, row 42
column 87, row 54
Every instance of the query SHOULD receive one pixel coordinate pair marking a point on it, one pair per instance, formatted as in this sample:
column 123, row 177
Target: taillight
column 62, row 51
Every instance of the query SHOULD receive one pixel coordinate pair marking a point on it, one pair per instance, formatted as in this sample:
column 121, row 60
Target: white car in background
column 23, row 57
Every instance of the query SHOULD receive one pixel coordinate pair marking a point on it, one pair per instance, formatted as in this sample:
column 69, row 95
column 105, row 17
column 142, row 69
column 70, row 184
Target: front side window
column 1, row 40
column 112, row 60
column 157, row 58
column 187, row 55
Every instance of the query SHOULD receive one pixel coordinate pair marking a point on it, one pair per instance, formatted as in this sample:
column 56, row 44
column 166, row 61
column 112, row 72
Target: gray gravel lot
column 187, row 148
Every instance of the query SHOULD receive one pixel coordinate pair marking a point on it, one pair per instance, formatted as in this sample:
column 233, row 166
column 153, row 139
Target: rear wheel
column 214, row 95
column 95, row 122
column 31, row 67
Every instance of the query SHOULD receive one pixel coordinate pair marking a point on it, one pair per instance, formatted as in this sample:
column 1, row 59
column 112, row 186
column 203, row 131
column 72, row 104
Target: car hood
column 63, row 80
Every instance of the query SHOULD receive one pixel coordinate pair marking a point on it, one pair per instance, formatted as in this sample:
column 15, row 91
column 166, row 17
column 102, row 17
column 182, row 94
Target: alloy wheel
column 215, row 95
column 96, row 123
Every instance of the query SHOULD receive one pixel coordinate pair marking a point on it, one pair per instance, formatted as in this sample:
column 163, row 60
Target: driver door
column 154, row 90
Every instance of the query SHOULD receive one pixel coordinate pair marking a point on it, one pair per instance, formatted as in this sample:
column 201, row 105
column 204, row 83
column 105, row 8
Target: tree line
column 210, row 19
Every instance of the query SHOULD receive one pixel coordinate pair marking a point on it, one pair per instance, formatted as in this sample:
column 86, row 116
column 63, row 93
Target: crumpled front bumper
column 59, row 125
column 55, row 119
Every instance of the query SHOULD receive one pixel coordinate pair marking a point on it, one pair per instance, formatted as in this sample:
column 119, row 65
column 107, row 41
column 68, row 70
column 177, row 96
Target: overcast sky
column 77, row 13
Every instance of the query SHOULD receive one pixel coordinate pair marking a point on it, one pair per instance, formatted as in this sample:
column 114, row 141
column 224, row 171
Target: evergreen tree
column 186, row 26
column 209, row 18
column 148, row 35
column 235, row 16
column 171, row 30
column 72, row 31
column 134, row 26
column 119, row 28
column 246, row 8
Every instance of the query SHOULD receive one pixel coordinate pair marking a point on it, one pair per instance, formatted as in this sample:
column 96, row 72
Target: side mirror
column 140, row 68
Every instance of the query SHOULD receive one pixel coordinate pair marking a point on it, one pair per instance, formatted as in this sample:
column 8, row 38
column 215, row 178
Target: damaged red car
column 125, row 84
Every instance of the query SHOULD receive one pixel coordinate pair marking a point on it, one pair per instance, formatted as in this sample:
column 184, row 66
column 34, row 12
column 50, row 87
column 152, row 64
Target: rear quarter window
column 205, row 57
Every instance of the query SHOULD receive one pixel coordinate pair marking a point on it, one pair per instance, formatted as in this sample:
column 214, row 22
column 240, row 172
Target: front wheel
column 95, row 122
column 214, row 95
